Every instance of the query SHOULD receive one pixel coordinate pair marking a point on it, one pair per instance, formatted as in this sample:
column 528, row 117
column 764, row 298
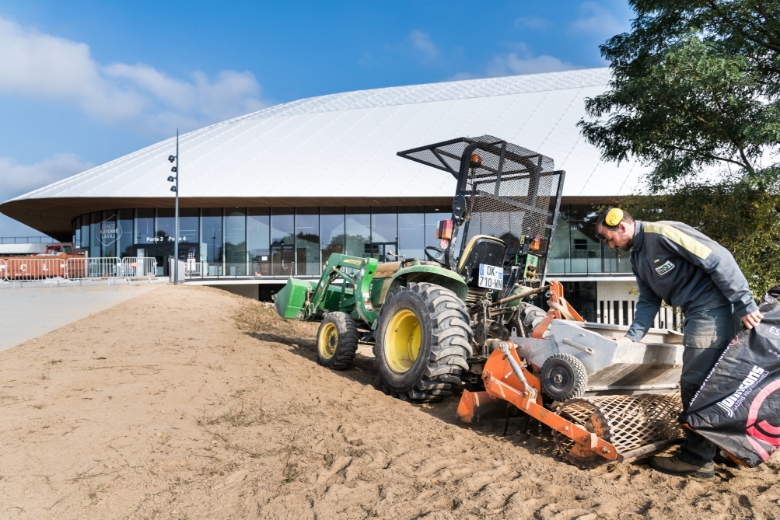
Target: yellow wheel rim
column 328, row 340
column 402, row 341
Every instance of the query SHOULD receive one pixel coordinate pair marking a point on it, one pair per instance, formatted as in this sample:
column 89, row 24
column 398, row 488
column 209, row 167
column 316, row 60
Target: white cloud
column 422, row 43
column 524, row 62
column 532, row 23
column 594, row 19
column 43, row 66
column 18, row 179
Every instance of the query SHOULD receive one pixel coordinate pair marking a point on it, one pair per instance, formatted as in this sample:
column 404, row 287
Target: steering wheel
column 439, row 258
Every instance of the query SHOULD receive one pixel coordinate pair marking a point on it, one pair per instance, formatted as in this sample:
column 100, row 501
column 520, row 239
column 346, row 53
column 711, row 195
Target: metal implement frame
column 506, row 379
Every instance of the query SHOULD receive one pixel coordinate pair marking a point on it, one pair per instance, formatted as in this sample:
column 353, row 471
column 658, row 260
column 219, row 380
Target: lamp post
column 175, row 190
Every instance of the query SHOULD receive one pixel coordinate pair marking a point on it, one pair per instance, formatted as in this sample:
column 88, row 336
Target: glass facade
column 280, row 242
column 576, row 250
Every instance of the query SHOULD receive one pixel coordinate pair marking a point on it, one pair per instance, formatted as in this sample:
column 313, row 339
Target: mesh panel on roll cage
column 508, row 189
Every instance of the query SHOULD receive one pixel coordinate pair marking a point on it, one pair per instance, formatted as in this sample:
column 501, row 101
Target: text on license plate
column 491, row 277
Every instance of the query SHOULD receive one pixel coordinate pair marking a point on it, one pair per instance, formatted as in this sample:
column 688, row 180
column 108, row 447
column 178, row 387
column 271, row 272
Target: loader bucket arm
column 356, row 271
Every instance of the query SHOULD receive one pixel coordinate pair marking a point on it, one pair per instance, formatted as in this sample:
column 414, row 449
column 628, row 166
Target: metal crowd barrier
column 76, row 269
column 139, row 267
column 29, row 269
column 97, row 267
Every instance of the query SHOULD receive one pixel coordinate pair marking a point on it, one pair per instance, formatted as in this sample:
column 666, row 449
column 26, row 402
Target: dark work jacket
column 679, row 265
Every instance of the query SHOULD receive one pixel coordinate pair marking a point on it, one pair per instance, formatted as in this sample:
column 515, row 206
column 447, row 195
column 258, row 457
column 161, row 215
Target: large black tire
column 422, row 343
column 563, row 377
column 337, row 341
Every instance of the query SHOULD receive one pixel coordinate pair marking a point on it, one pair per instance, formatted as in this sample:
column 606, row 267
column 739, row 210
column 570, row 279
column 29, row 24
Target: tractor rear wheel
column 422, row 343
column 337, row 341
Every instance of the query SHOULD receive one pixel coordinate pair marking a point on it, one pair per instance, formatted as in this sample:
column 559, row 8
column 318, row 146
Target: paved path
column 31, row 312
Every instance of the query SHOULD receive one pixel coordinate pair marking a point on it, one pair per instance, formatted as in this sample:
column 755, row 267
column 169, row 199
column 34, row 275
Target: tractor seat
column 482, row 249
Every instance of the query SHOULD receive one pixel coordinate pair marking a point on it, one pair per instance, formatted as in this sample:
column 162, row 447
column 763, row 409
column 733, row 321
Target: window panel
column 85, row 231
column 411, row 232
column 307, row 241
column 95, row 249
column 109, row 233
column 125, row 224
column 384, row 233
column 188, row 225
column 211, row 239
column 258, row 238
column 358, row 231
column 235, row 242
column 282, row 242
column 144, row 226
column 77, row 232
column 332, row 234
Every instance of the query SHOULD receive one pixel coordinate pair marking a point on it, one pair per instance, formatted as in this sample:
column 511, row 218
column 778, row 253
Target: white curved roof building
column 340, row 149
column 275, row 192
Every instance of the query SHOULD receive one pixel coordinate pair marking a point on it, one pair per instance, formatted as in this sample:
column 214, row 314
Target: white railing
column 104, row 267
column 95, row 267
column 188, row 269
column 194, row 269
column 139, row 267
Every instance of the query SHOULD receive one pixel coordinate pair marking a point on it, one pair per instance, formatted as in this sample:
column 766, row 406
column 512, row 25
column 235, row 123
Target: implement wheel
column 564, row 377
column 337, row 341
column 422, row 343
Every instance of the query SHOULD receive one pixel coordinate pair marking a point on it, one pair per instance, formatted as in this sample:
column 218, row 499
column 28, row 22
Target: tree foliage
column 696, row 83
column 740, row 217
column 695, row 88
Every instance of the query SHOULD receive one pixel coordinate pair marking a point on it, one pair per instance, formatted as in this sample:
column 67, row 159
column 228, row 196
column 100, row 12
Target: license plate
column 491, row 277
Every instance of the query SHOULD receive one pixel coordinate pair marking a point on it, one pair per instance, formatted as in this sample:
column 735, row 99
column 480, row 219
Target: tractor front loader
column 467, row 318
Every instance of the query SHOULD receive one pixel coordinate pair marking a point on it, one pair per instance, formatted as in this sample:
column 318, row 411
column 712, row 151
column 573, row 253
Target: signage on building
column 109, row 231
column 166, row 238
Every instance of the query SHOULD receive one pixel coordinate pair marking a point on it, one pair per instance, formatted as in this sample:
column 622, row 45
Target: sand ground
column 201, row 404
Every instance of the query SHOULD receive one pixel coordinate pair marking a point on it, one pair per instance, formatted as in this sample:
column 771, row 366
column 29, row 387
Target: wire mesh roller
column 628, row 422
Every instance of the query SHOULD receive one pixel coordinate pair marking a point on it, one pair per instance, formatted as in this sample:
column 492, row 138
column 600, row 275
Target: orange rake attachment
column 559, row 309
column 507, row 380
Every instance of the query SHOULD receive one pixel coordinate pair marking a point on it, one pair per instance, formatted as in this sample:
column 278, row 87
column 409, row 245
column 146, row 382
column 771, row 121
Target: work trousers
column 706, row 334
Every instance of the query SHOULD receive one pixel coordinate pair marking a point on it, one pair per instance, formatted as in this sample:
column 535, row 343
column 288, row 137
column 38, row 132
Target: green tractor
column 433, row 321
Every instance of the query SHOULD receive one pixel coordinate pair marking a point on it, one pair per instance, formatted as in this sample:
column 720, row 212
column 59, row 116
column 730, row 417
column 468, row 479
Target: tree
column 695, row 83
column 695, row 89
column 742, row 219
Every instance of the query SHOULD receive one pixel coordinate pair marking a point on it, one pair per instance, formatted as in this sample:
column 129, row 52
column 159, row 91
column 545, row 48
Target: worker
column 674, row 263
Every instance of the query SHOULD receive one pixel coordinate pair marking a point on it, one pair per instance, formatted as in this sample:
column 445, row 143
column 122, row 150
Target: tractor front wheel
column 422, row 343
column 337, row 341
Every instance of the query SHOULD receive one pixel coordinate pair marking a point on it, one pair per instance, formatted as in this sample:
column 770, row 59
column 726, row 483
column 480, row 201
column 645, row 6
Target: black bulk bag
column 738, row 405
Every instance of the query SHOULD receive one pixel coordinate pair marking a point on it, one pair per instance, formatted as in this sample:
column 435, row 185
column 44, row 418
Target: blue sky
column 84, row 82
